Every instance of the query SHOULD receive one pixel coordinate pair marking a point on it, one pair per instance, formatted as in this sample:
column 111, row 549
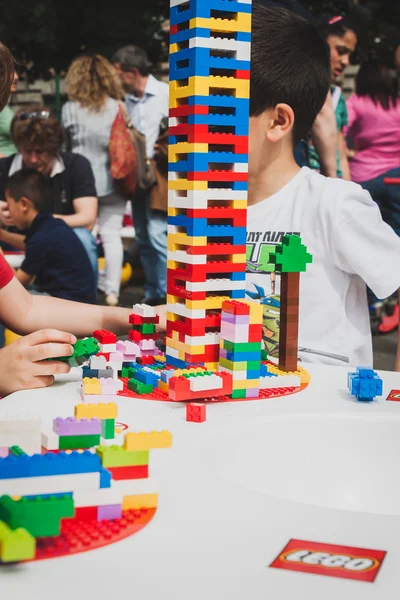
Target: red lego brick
column 193, row 327
column 188, row 272
column 179, row 389
column 174, row 29
column 136, row 336
column 255, row 333
column 241, row 74
column 186, row 110
column 216, row 250
column 228, row 216
column 138, row 320
column 234, row 307
column 105, row 337
column 105, row 354
column 217, row 176
column 145, row 360
column 196, row 413
column 203, row 134
column 86, row 513
column 119, row 473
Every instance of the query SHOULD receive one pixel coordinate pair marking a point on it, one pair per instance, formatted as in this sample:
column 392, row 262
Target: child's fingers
column 41, row 381
column 51, row 367
column 43, row 336
column 44, row 351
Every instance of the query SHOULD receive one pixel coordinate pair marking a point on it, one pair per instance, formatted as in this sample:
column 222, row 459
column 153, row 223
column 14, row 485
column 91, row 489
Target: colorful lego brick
column 4, row 452
column 16, row 545
column 143, row 310
column 55, row 484
column 97, row 362
column 123, row 473
column 72, row 426
column 195, row 413
column 110, row 386
column 48, row 464
column 40, row 516
column 91, row 386
column 105, row 337
column 179, row 389
column 73, row 442
column 147, row 440
column 365, row 384
column 110, row 512
column 116, row 456
column 138, row 387
column 96, row 411
column 108, row 429
column 138, row 501
column 83, row 350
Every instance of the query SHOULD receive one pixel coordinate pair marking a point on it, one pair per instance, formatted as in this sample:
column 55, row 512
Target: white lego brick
column 13, row 424
column 236, row 333
column 210, row 339
column 128, row 348
column 98, row 497
column 240, row 167
column 188, row 259
column 242, row 50
column 214, row 285
column 96, row 398
column 50, row 440
column 205, row 383
column 131, row 487
column 282, row 381
column 30, row 442
column 144, row 310
column 53, row 484
column 172, row 352
column 182, row 311
column 97, row 362
column 173, row 230
column 106, row 348
column 177, row 2
column 200, row 198
column 173, row 122
column 147, row 345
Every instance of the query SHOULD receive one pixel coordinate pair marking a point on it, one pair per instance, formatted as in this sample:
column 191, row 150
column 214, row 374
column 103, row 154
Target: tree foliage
column 53, row 32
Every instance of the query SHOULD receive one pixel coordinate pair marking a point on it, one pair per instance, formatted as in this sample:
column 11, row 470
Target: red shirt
column 6, row 272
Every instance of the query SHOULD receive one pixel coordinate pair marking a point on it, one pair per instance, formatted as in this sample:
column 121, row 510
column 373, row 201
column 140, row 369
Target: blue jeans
column 90, row 245
column 151, row 235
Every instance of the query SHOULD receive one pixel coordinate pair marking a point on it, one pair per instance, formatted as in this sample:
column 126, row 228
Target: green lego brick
column 264, row 354
column 128, row 372
column 233, row 366
column 145, row 328
column 108, row 429
column 242, row 347
column 238, row 394
column 72, row 442
column 291, row 256
column 83, row 350
column 39, row 515
column 16, row 545
column 116, row 456
column 253, row 365
column 139, row 388
column 197, row 374
column 16, row 451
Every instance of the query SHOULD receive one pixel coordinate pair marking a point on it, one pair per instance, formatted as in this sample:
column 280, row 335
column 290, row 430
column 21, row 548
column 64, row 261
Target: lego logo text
column 333, row 561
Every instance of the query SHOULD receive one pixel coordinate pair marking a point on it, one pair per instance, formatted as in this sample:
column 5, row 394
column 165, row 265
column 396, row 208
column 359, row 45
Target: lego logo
column 331, row 561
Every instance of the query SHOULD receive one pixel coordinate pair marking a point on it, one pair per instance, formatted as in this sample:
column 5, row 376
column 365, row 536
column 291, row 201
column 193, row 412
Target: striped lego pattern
column 208, row 159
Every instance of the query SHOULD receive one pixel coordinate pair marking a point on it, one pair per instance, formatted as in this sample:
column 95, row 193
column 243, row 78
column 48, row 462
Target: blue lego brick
column 365, row 384
column 240, row 122
column 166, row 375
column 237, row 276
column 105, row 478
column 88, row 372
column 243, row 356
column 253, row 375
column 199, row 227
column 175, row 362
column 147, row 377
column 199, row 162
column 206, row 9
column 60, row 495
column 48, row 464
column 237, row 294
column 204, row 32
column 219, row 100
column 199, row 62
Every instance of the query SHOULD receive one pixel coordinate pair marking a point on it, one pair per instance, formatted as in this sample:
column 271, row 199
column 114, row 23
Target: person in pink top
column 374, row 129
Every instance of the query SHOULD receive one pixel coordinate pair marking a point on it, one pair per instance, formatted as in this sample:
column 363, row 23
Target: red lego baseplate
column 82, row 535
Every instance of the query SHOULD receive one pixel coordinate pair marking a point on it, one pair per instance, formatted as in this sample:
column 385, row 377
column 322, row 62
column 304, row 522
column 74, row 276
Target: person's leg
column 158, row 231
column 391, row 201
column 141, row 215
column 90, row 245
column 111, row 212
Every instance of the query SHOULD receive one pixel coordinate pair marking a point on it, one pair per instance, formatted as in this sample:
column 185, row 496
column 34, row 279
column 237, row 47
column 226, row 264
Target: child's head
column 27, row 192
column 342, row 40
column 289, row 80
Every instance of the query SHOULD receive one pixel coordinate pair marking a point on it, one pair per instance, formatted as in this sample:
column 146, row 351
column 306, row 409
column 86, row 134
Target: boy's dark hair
column 377, row 82
column 133, row 57
column 289, row 64
column 337, row 25
column 28, row 183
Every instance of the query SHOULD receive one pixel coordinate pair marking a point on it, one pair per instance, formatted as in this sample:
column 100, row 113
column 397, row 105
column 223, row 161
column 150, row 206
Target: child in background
column 337, row 220
column 55, row 259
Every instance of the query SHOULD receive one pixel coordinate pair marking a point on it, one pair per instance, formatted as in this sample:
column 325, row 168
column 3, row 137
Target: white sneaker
column 112, row 300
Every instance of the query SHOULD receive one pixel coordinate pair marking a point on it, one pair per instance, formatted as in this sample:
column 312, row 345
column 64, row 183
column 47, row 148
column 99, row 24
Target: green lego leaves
column 291, row 256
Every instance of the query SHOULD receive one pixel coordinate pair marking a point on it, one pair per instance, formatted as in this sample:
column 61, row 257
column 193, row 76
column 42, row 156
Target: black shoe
column 153, row 301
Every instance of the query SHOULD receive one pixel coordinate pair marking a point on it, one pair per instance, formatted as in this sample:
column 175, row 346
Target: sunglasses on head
column 24, row 116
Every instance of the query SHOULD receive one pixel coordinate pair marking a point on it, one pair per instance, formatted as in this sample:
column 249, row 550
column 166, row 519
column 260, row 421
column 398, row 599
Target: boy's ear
column 25, row 204
column 281, row 122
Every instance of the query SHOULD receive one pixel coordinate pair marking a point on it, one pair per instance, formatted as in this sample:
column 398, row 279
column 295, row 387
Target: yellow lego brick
column 173, row 48
column 303, row 375
column 214, row 302
column 211, row 366
column 140, row 501
column 185, row 184
column 185, row 348
column 185, row 148
column 201, row 86
column 182, row 239
column 238, row 204
column 163, row 386
column 16, row 544
column 248, row 384
column 91, row 385
column 148, row 440
column 96, row 411
column 160, row 359
column 241, row 22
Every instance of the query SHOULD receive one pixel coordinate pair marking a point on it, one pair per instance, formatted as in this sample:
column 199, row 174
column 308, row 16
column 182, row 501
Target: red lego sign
column 394, row 396
column 330, row 560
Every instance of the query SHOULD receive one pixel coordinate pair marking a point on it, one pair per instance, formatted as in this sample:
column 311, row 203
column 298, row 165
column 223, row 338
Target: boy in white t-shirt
column 337, row 220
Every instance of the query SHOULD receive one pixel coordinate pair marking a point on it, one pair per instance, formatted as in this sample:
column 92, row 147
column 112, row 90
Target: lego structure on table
column 83, row 491
column 365, row 384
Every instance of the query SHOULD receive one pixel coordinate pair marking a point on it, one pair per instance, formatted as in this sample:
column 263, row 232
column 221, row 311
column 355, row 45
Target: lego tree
column 290, row 259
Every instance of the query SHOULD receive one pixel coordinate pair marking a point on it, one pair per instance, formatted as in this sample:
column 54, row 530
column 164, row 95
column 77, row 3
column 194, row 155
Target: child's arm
column 324, row 137
column 14, row 239
column 23, row 277
column 344, row 161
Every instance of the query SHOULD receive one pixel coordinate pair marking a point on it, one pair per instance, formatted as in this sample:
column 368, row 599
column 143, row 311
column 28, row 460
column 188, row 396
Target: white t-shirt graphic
column 351, row 246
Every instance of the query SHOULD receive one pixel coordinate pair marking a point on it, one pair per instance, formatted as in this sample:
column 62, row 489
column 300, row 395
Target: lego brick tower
column 208, row 160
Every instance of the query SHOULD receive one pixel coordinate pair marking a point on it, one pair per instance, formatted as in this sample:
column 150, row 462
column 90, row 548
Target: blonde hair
column 7, row 66
column 91, row 80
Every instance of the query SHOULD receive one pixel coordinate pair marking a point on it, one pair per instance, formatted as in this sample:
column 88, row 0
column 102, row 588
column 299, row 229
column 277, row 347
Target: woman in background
column 94, row 92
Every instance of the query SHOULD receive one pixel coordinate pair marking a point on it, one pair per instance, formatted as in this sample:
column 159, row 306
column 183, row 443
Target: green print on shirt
column 259, row 262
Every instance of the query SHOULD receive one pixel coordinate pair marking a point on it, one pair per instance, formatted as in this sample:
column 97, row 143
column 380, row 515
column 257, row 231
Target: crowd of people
column 318, row 165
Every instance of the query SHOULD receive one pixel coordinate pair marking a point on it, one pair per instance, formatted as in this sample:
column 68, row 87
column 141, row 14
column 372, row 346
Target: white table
column 317, row 466
column 14, row 259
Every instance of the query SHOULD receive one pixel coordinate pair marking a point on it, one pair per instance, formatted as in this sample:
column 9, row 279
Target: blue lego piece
column 238, row 122
column 253, row 375
column 237, row 294
column 365, row 384
column 206, row 9
column 198, row 62
column 204, row 32
column 175, row 362
column 243, row 356
column 166, row 375
column 49, row 464
column 60, row 495
column 88, row 372
column 237, row 276
column 147, row 377
column 105, row 478
column 199, row 162
column 200, row 227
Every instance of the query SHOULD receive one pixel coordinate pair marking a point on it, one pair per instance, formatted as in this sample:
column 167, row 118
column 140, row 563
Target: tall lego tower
column 208, row 164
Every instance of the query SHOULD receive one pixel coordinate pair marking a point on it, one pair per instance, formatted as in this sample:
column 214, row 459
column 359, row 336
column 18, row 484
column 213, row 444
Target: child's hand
column 5, row 217
column 23, row 364
column 161, row 311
